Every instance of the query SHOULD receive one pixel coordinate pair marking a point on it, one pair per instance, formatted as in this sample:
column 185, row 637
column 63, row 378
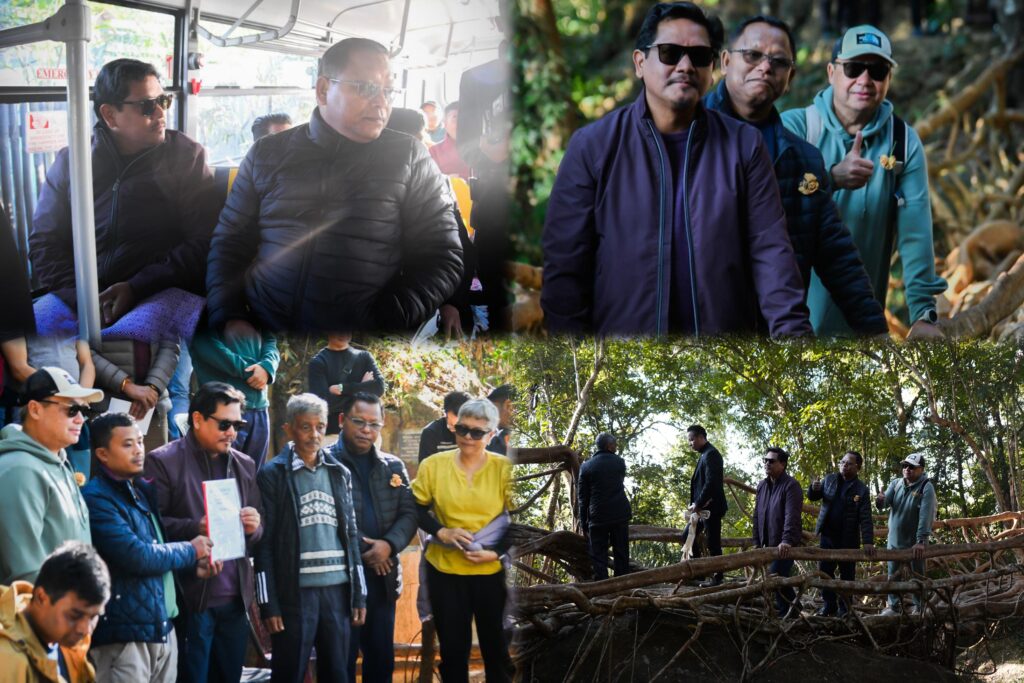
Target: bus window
column 116, row 32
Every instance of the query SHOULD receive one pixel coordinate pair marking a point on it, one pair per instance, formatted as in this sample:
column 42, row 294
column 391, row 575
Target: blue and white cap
column 865, row 40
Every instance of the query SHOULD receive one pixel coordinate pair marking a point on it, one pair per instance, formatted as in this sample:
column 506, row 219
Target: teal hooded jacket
column 911, row 511
column 40, row 505
column 866, row 213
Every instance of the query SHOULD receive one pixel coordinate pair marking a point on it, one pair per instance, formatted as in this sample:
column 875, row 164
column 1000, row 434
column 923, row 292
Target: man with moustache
column 154, row 198
column 339, row 223
column 879, row 177
column 386, row 516
column 844, row 521
column 683, row 195
column 757, row 71
column 41, row 506
column 776, row 522
column 214, row 623
column 311, row 586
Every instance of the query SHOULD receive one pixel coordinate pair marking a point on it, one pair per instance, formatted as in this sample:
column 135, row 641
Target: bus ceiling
column 420, row 33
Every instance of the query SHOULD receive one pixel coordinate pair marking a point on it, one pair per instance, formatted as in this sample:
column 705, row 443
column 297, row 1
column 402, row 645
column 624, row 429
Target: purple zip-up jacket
column 777, row 509
column 608, row 236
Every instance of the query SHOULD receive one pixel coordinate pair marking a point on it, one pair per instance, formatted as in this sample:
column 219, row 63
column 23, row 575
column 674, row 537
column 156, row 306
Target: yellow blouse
column 440, row 481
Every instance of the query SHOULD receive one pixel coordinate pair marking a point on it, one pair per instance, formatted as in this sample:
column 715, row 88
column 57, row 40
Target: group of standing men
column 844, row 519
column 129, row 554
column 732, row 217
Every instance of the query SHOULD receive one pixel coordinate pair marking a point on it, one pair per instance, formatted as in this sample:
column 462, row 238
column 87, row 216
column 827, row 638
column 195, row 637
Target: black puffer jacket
column 155, row 213
column 320, row 232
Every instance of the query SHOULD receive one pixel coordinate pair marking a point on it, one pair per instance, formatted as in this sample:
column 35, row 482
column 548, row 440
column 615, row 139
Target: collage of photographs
column 511, row 340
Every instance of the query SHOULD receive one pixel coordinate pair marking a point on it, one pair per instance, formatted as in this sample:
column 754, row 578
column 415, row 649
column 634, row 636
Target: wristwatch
column 930, row 316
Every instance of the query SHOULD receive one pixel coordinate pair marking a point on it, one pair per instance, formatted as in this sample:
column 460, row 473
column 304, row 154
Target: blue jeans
column 917, row 567
column 254, row 439
column 784, row 597
column 324, row 619
column 178, row 388
column 212, row 645
column 376, row 638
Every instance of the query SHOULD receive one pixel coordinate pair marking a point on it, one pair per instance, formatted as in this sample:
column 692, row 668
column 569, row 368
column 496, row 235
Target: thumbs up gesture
column 816, row 484
column 853, row 171
column 880, row 499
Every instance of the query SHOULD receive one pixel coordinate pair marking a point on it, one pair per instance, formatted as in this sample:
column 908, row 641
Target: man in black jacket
column 604, row 508
column 155, row 199
column 707, row 492
column 339, row 371
column 844, row 521
column 337, row 224
column 386, row 515
column 309, row 573
column 439, row 435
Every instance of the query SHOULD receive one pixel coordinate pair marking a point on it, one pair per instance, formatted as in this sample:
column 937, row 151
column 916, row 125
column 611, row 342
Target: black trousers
column 457, row 601
column 847, row 572
column 712, row 528
column 376, row 638
column 600, row 537
column 323, row 619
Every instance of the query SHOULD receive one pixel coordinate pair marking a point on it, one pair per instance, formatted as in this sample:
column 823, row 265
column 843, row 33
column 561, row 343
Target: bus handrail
column 225, row 41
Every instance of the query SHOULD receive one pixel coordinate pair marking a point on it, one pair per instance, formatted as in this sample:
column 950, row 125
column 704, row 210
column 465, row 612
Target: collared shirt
column 298, row 463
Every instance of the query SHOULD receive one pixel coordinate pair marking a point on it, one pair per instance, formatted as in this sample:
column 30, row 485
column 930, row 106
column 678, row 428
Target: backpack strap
column 814, row 124
column 896, row 200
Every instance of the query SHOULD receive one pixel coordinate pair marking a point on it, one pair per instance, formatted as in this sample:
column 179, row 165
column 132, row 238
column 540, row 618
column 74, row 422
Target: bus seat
column 464, row 200
column 224, row 176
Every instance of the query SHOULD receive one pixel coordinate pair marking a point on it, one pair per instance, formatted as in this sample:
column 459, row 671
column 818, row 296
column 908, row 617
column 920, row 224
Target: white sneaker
column 889, row 612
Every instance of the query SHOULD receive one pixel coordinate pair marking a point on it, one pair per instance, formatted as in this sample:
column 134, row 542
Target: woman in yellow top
column 469, row 490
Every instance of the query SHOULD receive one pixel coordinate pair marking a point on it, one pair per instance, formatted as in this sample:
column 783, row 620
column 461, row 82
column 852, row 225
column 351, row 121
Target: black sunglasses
column 671, row 54
column 877, row 71
column 755, row 57
column 73, row 409
column 908, row 466
column 225, row 425
column 475, row 434
column 147, row 107
column 768, row 461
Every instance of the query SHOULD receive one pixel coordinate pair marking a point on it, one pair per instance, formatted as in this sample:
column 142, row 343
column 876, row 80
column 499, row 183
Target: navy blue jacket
column 777, row 512
column 608, row 234
column 856, row 526
column 602, row 495
column 124, row 535
column 393, row 505
column 707, row 484
column 820, row 238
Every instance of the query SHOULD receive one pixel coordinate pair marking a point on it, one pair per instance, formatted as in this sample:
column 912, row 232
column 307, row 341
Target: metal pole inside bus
column 72, row 25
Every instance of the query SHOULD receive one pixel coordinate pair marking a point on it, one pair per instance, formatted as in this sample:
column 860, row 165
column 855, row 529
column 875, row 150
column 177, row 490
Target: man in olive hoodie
column 41, row 506
column 911, row 502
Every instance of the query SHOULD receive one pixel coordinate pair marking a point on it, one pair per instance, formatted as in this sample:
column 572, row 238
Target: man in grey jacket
column 912, row 504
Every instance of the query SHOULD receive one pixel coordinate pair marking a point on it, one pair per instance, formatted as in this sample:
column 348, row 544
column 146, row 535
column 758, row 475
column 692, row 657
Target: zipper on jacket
column 689, row 236
column 114, row 192
column 661, row 228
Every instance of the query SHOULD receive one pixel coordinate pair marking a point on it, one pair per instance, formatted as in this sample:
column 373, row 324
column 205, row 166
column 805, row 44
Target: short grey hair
column 304, row 404
column 480, row 409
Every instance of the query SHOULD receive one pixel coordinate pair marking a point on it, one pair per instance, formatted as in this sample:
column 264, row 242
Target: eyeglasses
column 877, row 71
column 671, row 54
column 755, row 57
column 769, row 461
column 363, row 424
column 225, row 425
column 147, row 107
column 475, row 434
column 908, row 466
column 368, row 90
column 73, row 409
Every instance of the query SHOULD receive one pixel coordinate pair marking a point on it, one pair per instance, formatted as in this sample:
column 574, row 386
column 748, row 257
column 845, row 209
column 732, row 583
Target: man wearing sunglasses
column 912, row 504
column 757, row 71
column 214, row 626
column 386, row 515
column 665, row 217
column 41, row 506
column 339, row 223
column 880, row 179
column 155, row 200
column 776, row 522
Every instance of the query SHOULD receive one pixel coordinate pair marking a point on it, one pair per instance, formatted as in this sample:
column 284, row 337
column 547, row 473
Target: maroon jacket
column 178, row 471
column 155, row 214
column 777, row 512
